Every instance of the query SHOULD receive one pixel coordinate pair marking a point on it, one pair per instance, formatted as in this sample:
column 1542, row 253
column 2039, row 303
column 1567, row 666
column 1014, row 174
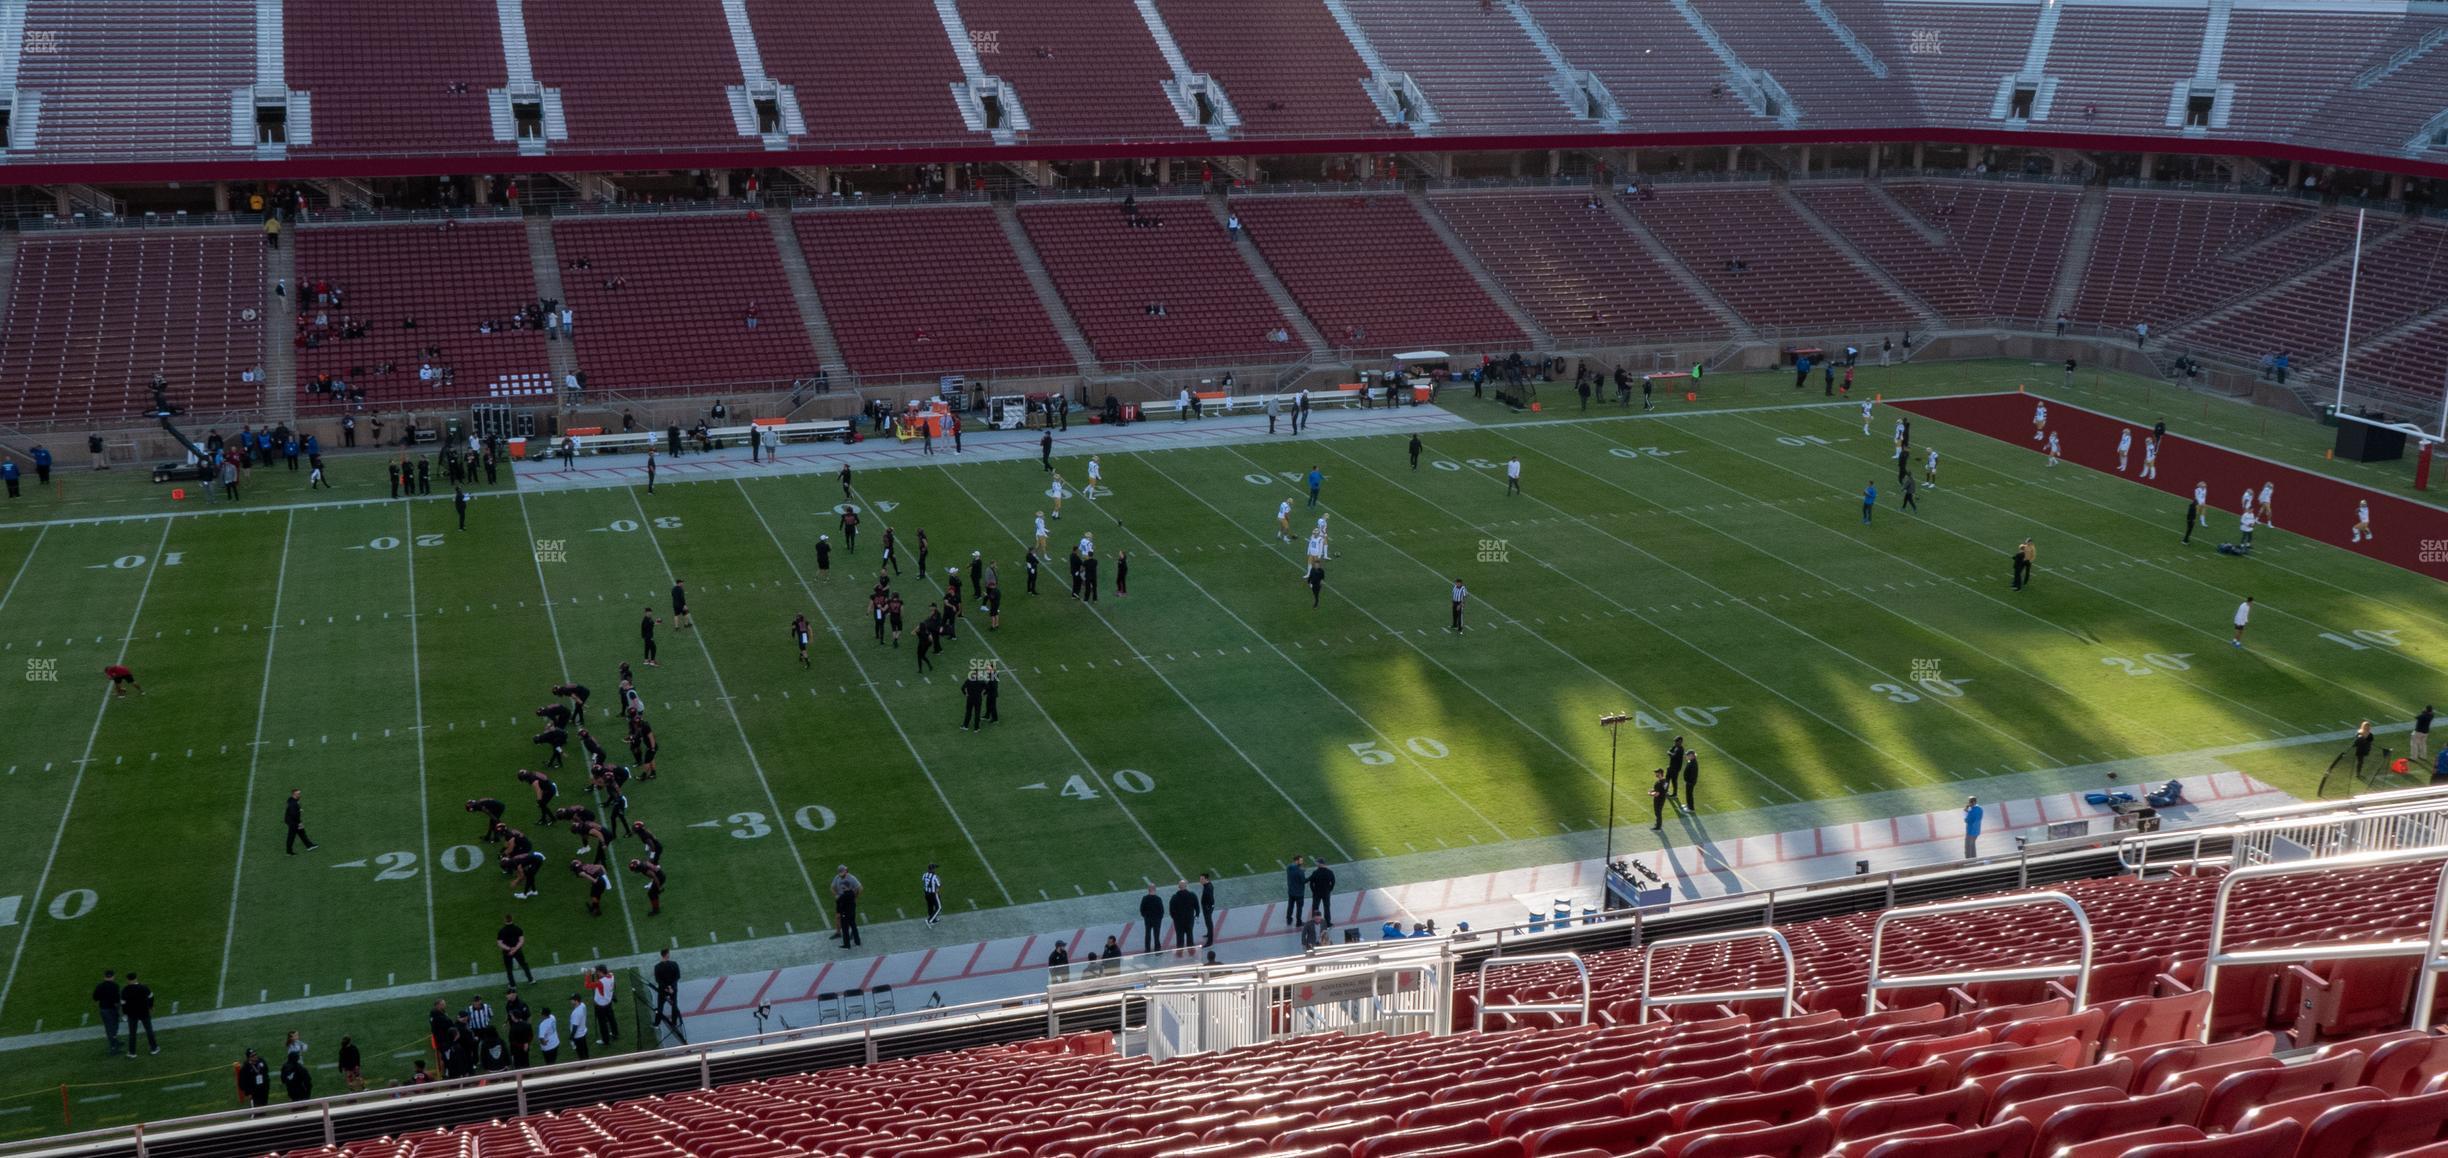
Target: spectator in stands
column 1184, row 908
column 1113, row 952
column 1232, row 224
column 271, row 236
column 1296, row 886
column 1321, row 891
column 752, row 315
column 254, row 1077
column 2141, row 334
column 1151, row 921
column 1058, row 962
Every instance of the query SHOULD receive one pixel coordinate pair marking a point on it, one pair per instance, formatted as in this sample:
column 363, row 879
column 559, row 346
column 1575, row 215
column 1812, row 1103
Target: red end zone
column 2312, row 505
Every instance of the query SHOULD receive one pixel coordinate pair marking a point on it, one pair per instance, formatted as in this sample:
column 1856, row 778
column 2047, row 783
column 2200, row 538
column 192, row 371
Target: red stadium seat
column 1807, row 1137
column 2010, row 1139
column 1412, row 1140
column 2237, row 1094
column 1345, row 1132
column 1775, row 1109
column 2278, row 1140
column 2144, row 1021
column 1961, row 1106
column 2379, row 1127
column 2180, row 1106
column 2399, row 1068
column 2024, row 1085
column 1927, row 1077
column 2153, row 1064
column 1614, row 1135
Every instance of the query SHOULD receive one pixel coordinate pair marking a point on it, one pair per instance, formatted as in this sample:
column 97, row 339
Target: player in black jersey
column 544, row 790
column 653, row 844
column 491, row 810
column 596, row 877
column 653, row 873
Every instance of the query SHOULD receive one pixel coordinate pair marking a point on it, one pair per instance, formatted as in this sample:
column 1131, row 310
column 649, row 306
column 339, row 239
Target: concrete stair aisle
column 1294, row 320
column 1926, row 315
column 545, row 258
column 803, row 291
column 278, row 357
column 2077, row 263
column 1738, row 328
column 1540, row 339
column 1056, row 311
column 1919, row 224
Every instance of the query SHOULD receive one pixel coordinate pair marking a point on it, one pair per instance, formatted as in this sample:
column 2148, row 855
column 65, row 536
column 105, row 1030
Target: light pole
column 1613, row 723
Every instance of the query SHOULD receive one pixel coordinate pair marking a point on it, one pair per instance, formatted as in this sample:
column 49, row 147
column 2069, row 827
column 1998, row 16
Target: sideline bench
column 592, row 440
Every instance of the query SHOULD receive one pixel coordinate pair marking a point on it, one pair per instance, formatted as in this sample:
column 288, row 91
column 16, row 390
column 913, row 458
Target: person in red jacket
column 121, row 680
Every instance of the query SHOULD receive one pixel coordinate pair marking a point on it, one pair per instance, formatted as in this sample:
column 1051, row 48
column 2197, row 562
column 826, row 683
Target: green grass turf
column 1708, row 572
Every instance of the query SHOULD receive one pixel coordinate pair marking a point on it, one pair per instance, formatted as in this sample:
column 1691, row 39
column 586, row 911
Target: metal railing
column 2079, row 969
column 374, row 1113
column 2377, row 822
column 1481, row 1008
column 1776, row 937
column 2428, row 948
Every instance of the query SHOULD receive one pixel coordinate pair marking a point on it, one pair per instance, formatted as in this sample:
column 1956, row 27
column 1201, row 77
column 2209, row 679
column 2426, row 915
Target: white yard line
column 1639, row 700
column 1670, row 633
column 877, row 690
column 1873, row 604
column 1341, row 853
column 2195, row 628
column 1907, row 561
column 748, row 747
column 246, row 810
column 76, row 782
column 416, row 679
column 22, row 564
column 1391, row 630
column 1012, row 674
column 552, row 621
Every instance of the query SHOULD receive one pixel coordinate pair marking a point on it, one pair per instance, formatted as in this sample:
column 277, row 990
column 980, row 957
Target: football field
column 1706, row 569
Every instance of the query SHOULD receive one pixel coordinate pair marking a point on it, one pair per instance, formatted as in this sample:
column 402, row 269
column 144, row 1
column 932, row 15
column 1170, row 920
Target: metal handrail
column 2219, row 957
column 1775, row 937
column 1480, row 1012
column 2080, row 969
column 2435, row 955
column 679, row 1058
column 2309, row 824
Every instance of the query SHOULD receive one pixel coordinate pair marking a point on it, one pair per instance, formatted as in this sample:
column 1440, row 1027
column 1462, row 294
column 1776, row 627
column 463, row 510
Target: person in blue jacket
column 42, row 464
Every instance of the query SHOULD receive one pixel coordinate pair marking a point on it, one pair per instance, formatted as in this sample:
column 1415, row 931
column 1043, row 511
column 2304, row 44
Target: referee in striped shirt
column 932, row 885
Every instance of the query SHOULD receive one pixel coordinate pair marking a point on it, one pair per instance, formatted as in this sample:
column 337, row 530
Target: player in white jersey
column 1041, row 534
column 2150, row 458
column 1058, row 492
column 2124, row 447
column 1865, row 416
column 1283, row 520
column 2201, row 501
column 1321, row 537
column 2268, row 515
column 2053, row 456
column 1317, row 553
column 2362, row 527
column 1929, row 471
column 2039, row 421
column 1096, row 477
